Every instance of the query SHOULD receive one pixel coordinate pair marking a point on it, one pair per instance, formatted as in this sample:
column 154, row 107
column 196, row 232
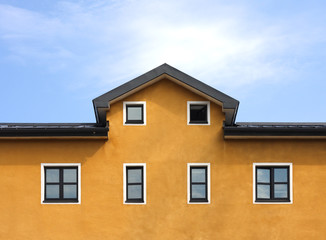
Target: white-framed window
column 134, row 183
column 198, row 112
column 272, row 183
column 134, row 113
column 199, row 178
column 60, row 183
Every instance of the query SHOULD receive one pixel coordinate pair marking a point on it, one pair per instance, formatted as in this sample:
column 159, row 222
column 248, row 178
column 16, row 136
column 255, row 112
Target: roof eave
column 233, row 132
column 22, row 132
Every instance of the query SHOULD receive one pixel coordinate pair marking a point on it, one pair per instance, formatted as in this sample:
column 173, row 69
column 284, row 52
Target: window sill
column 199, row 201
column 272, row 202
column 61, row 201
column 134, row 124
column 135, row 201
column 199, row 123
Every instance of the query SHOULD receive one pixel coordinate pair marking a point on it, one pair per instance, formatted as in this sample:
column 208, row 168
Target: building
column 165, row 160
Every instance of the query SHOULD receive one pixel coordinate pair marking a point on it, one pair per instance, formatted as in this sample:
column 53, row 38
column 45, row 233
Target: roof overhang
column 102, row 103
column 276, row 131
column 52, row 131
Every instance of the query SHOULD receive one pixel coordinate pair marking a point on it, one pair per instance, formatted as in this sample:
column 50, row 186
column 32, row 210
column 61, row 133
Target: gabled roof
column 99, row 130
column 102, row 103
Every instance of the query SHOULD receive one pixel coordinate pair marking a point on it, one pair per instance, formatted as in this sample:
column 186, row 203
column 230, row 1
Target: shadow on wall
column 29, row 152
column 297, row 151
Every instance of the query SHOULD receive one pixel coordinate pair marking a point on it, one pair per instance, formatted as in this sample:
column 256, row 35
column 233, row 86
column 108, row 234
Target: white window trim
column 208, row 112
column 208, row 165
column 125, row 165
column 43, row 165
column 125, row 114
column 272, row 165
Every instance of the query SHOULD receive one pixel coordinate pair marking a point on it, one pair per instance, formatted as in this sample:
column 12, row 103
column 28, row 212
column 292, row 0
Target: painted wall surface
column 166, row 144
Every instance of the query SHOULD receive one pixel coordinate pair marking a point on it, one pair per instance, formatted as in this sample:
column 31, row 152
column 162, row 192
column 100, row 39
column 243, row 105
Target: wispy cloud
column 112, row 41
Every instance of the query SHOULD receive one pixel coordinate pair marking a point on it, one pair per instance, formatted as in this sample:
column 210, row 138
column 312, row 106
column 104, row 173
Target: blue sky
column 56, row 56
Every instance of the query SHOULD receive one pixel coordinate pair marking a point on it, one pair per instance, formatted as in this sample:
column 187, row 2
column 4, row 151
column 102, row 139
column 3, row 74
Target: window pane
column 198, row 113
column 280, row 175
column 70, row 175
column 280, row 190
column 263, row 175
column 198, row 175
column 263, row 191
column 52, row 191
column 134, row 175
column 134, row 113
column 134, row 192
column 198, row 191
column 69, row 191
column 52, row 175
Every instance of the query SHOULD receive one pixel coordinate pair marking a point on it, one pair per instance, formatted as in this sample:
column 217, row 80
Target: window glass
column 263, row 175
column 134, row 192
column 134, row 176
column 52, row 175
column 134, row 113
column 69, row 191
column 198, row 113
column 198, row 175
column 198, row 191
column 70, row 175
column 280, row 190
column 52, row 191
column 280, row 174
column 263, row 191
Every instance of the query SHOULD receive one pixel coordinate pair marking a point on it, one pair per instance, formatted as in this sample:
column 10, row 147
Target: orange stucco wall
column 166, row 144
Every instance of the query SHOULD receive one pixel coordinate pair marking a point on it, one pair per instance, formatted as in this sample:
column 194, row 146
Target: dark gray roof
column 101, row 103
column 281, row 124
column 275, row 129
column 52, row 130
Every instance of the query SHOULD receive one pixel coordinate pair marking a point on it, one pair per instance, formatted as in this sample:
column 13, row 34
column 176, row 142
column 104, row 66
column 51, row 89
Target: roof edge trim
column 273, row 130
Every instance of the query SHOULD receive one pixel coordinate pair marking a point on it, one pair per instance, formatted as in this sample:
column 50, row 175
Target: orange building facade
column 165, row 160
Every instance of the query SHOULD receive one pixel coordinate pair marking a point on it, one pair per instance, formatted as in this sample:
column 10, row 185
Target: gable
column 102, row 103
column 165, row 102
column 166, row 128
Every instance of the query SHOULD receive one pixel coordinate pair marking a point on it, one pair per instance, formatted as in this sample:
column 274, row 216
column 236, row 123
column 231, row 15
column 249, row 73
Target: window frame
column 125, row 183
column 125, row 113
column 207, row 103
column 60, row 166
column 272, row 166
column 189, row 183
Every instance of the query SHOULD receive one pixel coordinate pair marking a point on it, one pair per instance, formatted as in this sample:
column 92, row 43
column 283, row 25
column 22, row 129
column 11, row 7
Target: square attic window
column 198, row 113
column 134, row 113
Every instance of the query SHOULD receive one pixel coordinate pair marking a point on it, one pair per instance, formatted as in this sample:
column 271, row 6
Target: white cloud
column 112, row 42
